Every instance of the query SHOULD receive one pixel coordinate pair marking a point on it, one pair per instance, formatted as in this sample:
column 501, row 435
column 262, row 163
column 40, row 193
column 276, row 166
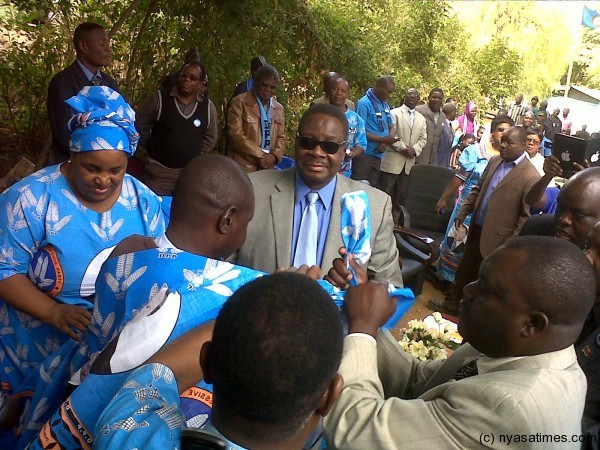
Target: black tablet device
column 573, row 149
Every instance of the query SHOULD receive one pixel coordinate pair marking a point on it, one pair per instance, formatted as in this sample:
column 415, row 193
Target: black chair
column 421, row 230
column 415, row 259
column 425, row 186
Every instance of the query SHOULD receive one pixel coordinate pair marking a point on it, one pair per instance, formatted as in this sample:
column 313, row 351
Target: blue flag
column 590, row 18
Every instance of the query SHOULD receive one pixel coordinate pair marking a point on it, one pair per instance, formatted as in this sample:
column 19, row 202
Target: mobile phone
column 196, row 439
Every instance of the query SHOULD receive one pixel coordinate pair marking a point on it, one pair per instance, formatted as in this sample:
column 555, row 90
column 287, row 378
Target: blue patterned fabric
column 127, row 288
column 124, row 287
column 102, row 120
column 472, row 163
column 147, row 400
column 356, row 236
column 50, row 237
column 356, row 137
column 356, row 228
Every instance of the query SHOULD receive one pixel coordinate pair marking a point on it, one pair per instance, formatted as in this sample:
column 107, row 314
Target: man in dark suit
column 499, row 211
column 92, row 47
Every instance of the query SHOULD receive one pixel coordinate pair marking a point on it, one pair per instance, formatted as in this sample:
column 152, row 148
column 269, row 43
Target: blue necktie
column 306, row 247
column 96, row 80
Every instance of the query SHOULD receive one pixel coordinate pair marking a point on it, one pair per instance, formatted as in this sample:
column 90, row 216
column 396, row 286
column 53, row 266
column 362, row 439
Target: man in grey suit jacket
column 273, row 233
column 92, row 46
column 436, row 121
column 411, row 132
column 520, row 320
column 499, row 211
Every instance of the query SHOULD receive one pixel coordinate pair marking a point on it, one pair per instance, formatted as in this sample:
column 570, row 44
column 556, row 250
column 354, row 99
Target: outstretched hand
column 340, row 276
column 66, row 318
column 368, row 307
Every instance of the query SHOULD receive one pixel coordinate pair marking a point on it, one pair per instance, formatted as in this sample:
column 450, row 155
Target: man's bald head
column 213, row 202
column 578, row 206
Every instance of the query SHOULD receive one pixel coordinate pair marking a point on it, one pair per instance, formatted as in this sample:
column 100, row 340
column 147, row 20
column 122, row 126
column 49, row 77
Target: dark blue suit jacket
column 64, row 85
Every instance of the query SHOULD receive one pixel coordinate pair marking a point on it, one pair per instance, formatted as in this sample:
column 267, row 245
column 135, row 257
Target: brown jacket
column 245, row 133
column 507, row 210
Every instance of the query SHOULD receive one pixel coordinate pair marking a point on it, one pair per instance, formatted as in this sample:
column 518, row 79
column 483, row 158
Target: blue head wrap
column 102, row 120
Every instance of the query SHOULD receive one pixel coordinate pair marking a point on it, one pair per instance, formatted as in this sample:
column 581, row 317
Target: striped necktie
column 306, row 246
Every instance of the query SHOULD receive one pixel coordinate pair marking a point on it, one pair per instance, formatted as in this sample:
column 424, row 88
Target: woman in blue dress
column 472, row 162
column 59, row 224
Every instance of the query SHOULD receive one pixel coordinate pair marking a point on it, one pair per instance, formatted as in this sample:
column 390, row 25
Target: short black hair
column 82, row 30
column 466, row 136
column 209, row 184
column 327, row 109
column 386, row 80
column 520, row 133
column 192, row 55
column 537, row 131
column 557, row 278
column 501, row 119
column 256, row 63
column 437, row 89
column 266, row 71
column 197, row 64
column 276, row 346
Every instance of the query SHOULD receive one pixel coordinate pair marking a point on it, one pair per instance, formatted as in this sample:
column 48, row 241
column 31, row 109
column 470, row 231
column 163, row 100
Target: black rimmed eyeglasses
column 328, row 146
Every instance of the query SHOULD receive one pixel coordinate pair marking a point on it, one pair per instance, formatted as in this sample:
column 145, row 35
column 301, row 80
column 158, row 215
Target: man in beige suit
column 411, row 132
column 436, row 121
column 256, row 124
column 281, row 197
column 515, row 381
column 499, row 211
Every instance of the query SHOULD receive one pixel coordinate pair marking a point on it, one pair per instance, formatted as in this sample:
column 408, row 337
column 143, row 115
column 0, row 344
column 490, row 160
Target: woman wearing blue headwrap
column 58, row 226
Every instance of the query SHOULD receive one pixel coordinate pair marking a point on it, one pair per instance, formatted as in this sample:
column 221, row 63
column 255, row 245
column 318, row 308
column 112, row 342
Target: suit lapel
column 513, row 174
column 282, row 212
column 450, row 367
column 334, row 239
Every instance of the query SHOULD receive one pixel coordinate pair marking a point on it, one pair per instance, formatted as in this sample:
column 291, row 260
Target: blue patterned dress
column 472, row 162
column 48, row 235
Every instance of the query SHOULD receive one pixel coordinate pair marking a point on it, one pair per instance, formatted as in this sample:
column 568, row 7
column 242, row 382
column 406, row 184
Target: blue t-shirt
column 374, row 124
column 356, row 137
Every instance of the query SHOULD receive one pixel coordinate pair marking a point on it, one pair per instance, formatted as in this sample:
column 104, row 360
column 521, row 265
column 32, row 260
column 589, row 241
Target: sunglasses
column 328, row 146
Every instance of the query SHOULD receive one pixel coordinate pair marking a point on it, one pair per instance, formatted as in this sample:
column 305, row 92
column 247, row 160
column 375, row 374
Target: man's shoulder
column 352, row 115
column 67, row 73
column 423, row 109
column 539, row 225
column 109, row 81
column 266, row 178
column 398, row 111
column 277, row 106
column 345, row 184
column 363, row 101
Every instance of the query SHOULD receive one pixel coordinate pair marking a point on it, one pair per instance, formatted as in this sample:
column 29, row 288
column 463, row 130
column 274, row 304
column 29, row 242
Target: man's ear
column 226, row 220
column 536, row 323
column 331, row 395
column 204, row 361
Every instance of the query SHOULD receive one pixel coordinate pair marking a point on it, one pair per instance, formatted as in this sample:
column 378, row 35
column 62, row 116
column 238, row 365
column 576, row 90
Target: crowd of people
column 198, row 302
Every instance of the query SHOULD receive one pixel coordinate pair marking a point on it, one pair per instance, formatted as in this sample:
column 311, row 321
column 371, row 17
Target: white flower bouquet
column 430, row 338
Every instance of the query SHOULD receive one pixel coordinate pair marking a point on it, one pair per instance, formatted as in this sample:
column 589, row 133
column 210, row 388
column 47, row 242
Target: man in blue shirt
column 357, row 137
column 92, row 46
column 282, row 198
column 380, row 129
